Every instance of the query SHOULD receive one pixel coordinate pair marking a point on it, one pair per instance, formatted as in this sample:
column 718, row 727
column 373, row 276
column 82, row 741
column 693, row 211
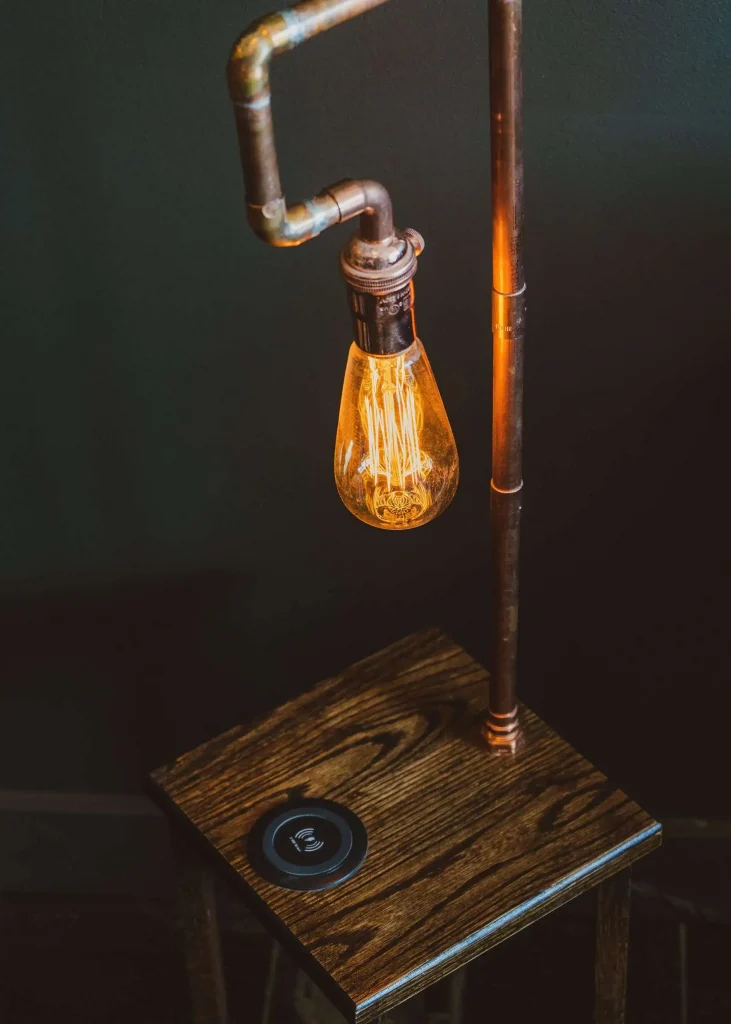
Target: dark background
column 174, row 554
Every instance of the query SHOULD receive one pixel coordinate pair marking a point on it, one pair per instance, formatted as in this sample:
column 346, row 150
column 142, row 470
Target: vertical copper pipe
column 502, row 729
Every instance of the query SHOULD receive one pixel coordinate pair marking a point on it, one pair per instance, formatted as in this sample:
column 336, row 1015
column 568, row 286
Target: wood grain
column 465, row 848
column 612, row 942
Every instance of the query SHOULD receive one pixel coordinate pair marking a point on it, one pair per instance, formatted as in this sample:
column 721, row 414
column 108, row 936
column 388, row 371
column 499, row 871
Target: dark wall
column 174, row 554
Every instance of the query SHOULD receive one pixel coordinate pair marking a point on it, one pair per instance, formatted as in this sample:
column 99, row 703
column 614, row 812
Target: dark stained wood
column 199, row 927
column 465, row 847
column 612, row 941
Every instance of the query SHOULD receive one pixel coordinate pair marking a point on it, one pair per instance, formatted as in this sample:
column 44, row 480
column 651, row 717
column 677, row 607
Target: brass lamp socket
column 379, row 283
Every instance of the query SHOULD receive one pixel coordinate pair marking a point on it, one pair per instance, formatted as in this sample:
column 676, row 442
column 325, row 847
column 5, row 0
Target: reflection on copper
column 501, row 727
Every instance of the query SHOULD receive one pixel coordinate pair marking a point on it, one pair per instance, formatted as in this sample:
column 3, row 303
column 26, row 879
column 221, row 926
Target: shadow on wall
column 625, row 608
column 103, row 683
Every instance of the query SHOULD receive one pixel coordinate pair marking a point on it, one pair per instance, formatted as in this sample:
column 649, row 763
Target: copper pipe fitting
column 248, row 82
column 370, row 201
column 378, row 262
column 502, row 732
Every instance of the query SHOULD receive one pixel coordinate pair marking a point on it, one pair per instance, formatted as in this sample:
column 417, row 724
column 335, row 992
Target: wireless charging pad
column 310, row 844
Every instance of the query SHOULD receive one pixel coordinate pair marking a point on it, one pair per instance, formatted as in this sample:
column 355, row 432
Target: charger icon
column 305, row 841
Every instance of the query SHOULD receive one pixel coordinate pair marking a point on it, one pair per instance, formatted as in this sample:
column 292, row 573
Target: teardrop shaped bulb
column 396, row 463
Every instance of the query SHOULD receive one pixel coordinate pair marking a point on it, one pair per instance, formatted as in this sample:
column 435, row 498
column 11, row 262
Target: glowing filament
column 391, row 414
column 395, row 461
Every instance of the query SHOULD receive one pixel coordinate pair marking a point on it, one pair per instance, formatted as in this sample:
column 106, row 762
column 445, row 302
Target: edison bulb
column 396, row 463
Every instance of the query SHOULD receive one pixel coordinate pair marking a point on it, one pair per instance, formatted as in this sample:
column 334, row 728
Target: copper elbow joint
column 248, row 65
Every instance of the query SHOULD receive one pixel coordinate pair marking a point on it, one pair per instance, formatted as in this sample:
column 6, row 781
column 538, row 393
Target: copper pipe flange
column 502, row 732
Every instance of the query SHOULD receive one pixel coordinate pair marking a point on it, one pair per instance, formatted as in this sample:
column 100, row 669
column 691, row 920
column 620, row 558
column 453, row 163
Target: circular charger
column 308, row 844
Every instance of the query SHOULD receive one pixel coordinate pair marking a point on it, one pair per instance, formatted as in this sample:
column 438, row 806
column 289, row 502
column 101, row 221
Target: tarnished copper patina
column 248, row 82
column 379, row 261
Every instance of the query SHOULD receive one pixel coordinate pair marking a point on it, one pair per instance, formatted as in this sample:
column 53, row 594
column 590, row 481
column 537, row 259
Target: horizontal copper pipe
column 248, row 81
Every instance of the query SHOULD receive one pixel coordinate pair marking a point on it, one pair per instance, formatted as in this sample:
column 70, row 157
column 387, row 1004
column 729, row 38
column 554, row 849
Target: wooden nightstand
column 465, row 847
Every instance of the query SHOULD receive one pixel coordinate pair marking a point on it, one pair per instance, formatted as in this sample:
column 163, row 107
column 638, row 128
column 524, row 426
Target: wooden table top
column 465, row 847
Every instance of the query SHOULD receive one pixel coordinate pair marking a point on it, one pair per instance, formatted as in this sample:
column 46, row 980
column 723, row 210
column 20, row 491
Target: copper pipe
column 379, row 252
column 502, row 729
column 248, row 80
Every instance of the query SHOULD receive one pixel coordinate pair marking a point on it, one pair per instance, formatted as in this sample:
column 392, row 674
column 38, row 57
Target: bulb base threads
column 383, row 324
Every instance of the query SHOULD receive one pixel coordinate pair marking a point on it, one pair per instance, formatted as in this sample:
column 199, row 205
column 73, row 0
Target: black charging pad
column 308, row 844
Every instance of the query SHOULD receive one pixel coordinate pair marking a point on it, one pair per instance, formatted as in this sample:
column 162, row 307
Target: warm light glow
column 396, row 462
